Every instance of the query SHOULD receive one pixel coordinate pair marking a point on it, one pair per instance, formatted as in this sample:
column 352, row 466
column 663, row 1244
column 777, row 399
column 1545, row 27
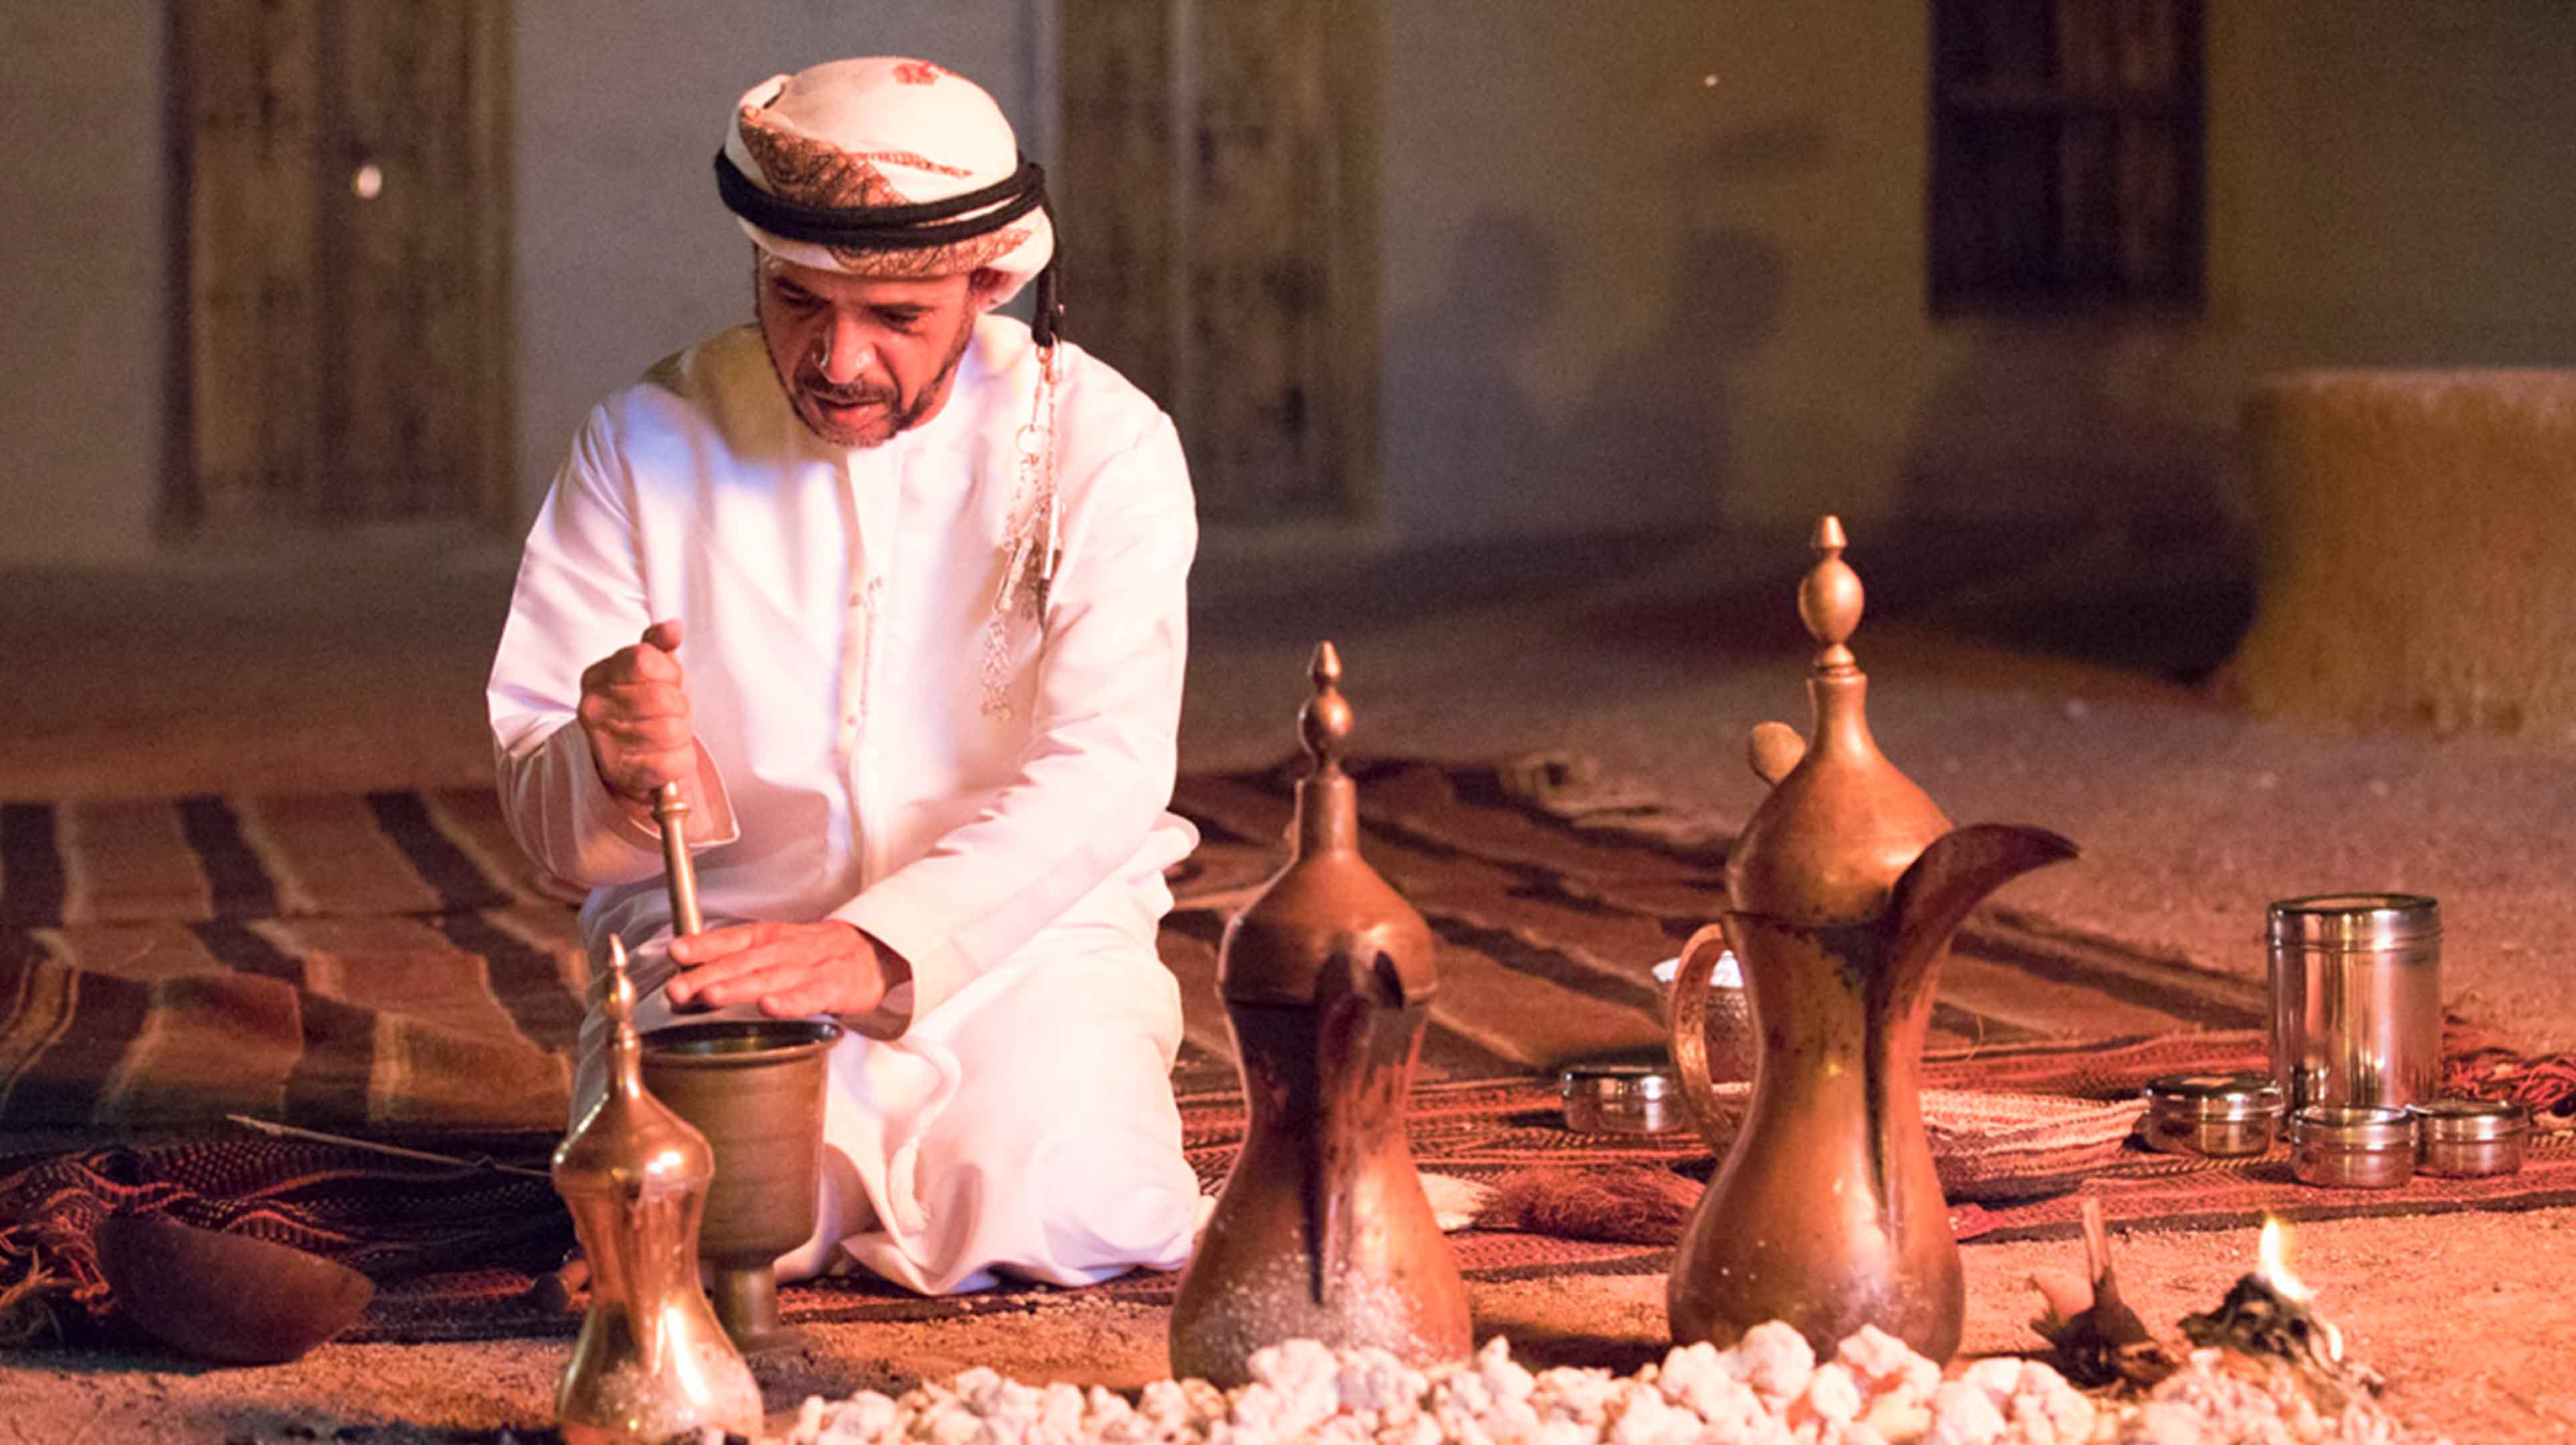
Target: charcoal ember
column 2256, row 1320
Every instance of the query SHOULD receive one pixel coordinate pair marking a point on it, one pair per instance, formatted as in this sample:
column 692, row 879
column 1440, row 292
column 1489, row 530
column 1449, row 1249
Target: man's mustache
column 857, row 395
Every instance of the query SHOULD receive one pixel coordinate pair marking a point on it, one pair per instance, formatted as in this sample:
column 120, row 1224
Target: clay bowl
column 226, row 1297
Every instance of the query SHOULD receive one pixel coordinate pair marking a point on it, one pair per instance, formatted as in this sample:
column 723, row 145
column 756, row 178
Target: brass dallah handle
column 677, row 868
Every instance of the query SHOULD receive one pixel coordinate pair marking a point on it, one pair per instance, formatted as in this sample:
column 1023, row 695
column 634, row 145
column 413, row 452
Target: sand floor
column 2055, row 682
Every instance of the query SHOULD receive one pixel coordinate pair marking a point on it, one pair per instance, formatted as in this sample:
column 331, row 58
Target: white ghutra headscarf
column 890, row 167
column 884, row 166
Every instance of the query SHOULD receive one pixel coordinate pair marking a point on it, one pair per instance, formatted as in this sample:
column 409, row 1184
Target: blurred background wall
column 1654, row 265
column 85, row 293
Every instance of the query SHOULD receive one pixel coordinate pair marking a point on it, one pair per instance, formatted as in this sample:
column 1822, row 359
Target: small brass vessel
column 651, row 1362
column 1323, row 1231
column 1845, row 886
column 754, row 1088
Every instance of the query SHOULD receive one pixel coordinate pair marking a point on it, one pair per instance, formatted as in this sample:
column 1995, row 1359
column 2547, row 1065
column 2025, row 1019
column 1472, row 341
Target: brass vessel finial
column 629, row 1142
column 620, row 1005
column 1328, row 808
column 1841, row 822
column 1829, row 599
column 624, row 1044
column 1324, row 723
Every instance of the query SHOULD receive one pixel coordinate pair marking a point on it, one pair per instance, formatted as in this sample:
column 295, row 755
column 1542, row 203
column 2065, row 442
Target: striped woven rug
column 386, row 962
column 1553, row 890
column 458, row 1251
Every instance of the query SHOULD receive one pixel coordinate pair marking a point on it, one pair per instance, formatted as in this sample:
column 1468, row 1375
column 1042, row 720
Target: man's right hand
column 635, row 711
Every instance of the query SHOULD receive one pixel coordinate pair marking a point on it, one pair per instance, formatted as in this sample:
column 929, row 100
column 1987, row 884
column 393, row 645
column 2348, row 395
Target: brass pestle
column 754, row 1087
column 671, row 813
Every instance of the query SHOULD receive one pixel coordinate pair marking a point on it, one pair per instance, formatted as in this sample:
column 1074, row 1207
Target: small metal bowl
column 2225, row 1116
column 2352, row 1146
column 1623, row 1099
column 2470, row 1137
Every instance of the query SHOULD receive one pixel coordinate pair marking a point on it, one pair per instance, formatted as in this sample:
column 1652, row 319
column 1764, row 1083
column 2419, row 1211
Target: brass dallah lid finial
column 1841, row 823
column 1829, row 599
column 630, row 1143
column 1324, row 723
column 1328, row 900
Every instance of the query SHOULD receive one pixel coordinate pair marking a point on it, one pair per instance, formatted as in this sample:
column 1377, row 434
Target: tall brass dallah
column 1323, row 1231
column 651, row 1363
column 1846, row 885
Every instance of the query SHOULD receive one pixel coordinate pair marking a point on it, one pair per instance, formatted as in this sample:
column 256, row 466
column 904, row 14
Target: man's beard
column 808, row 393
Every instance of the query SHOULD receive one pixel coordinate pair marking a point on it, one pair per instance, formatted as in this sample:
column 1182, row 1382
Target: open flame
column 2272, row 1263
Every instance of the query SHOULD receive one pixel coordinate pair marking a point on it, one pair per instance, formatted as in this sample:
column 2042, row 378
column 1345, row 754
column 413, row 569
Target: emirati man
column 893, row 589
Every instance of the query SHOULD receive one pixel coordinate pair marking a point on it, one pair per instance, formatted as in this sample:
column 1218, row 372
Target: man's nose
column 845, row 351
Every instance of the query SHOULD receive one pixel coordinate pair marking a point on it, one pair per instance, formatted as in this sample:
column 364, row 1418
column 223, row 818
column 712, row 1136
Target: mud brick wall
column 2416, row 554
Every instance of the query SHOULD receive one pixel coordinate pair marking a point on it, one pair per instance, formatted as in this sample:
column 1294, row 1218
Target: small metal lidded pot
column 1622, row 1099
column 2470, row 1137
column 2352, row 1146
column 2225, row 1116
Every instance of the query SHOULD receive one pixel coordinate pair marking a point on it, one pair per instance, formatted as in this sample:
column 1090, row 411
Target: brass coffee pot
column 1323, row 1231
column 651, row 1363
column 1846, row 885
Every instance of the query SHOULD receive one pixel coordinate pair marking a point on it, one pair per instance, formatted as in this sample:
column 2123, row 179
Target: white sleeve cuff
column 710, row 822
column 939, row 969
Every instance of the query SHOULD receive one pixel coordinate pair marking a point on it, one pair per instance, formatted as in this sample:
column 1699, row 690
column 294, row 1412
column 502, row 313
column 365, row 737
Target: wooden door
column 345, row 169
column 1217, row 203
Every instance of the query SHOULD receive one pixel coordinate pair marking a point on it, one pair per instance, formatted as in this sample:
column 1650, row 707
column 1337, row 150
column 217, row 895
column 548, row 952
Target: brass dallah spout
column 1846, row 885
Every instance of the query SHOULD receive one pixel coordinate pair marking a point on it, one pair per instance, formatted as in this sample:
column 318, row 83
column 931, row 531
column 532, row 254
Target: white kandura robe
column 835, row 604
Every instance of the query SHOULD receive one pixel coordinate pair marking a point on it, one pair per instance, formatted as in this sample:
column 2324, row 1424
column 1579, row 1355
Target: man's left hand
column 789, row 969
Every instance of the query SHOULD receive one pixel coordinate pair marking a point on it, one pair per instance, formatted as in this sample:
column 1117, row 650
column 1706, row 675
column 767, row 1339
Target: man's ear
column 984, row 289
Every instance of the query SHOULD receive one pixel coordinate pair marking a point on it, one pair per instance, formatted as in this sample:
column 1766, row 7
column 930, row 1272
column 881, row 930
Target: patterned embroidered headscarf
column 885, row 166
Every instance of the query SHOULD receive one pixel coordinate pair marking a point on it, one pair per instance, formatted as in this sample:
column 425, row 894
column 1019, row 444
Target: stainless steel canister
column 2352, row 1146
column 2356, row 998
column 2470, row 1136
column 2222, row 1115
